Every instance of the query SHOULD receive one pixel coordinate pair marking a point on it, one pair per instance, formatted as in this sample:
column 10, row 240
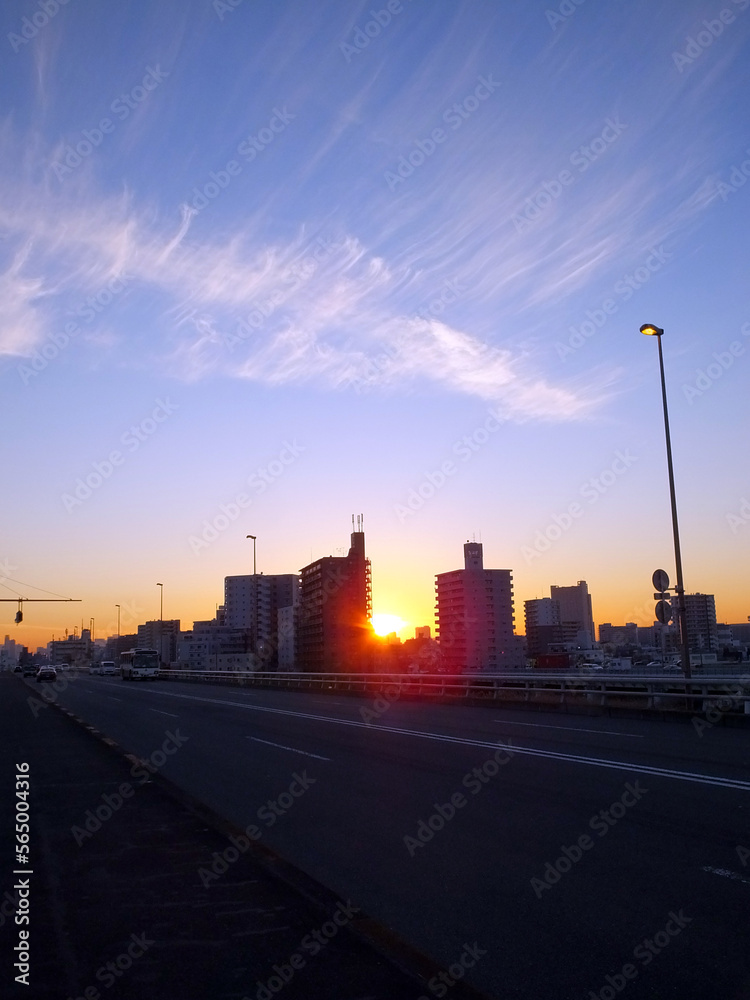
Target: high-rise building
column 253, row 602
column 700, row 618
column 333, row 631
column 543, row 627
column 475, row 617
column 576, row 616
column 163, row 636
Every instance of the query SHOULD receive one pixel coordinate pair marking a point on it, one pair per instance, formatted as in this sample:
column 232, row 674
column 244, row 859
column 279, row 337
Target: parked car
column 46, row 674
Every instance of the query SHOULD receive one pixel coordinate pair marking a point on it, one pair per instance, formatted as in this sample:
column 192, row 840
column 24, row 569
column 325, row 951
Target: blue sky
column 268, row 264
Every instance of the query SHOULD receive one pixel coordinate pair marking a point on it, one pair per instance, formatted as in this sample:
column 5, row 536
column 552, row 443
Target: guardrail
column 716, row 698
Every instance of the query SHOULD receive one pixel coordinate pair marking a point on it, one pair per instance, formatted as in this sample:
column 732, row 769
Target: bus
column 137, row 663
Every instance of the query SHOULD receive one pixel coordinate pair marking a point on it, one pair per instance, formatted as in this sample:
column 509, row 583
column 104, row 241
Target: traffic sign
column 660, row 580
column 664, row 612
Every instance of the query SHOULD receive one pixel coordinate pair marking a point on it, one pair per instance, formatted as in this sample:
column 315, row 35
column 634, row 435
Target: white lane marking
column 726, row 873
column 282, row 747
column 170, row 714
column 112, row 697
column 618, row 765
column 569, row 729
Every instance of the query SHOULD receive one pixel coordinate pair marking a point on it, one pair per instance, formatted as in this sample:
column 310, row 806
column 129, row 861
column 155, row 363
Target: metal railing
column 719, row 697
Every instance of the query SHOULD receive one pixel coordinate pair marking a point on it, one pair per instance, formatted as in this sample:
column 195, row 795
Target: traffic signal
column 19, row 617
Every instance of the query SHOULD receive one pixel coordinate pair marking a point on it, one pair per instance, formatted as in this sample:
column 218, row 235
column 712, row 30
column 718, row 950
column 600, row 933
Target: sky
column 267, row 264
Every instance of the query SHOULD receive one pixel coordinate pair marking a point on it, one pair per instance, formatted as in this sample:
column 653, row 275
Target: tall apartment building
column 543, row 627
column 253, row 602
column 162, row 636
column 576, row 616
column 333, row 631
column 212, row 645
column 475, row 617
column 700, row 618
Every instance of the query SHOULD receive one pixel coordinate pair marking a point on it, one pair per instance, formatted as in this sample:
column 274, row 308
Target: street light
column 161, row 622
column 654, row 331
column 118, row 620
column 255, row 601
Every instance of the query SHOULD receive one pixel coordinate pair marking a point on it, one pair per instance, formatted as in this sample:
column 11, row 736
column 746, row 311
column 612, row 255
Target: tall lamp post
column 654, row 331
column 118, row 621
column 255, row 602
column 161, row 623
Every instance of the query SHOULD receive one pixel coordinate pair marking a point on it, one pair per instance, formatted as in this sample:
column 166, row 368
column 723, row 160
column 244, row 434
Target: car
column 95, row 668
column 46, row 674
column 107, row 668
column 17, row 669
column 29, row 670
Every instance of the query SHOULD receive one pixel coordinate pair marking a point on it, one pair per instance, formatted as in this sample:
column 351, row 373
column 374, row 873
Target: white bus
column 137, row 663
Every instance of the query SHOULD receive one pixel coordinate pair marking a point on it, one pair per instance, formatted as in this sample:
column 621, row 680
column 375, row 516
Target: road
column 575, row 855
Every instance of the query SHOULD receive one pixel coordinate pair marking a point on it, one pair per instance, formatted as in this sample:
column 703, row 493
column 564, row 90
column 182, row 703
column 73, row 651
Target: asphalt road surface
column 576, row 856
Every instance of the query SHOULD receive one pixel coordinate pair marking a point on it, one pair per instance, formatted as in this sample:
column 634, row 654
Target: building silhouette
column 544, row 630
column 253, row 602
column 332, row 625
column 162, row 636
column 576, row 616
column 475, row 617
column 700, row 618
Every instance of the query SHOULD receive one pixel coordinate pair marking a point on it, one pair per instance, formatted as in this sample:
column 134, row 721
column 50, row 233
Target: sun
column 385, row 624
